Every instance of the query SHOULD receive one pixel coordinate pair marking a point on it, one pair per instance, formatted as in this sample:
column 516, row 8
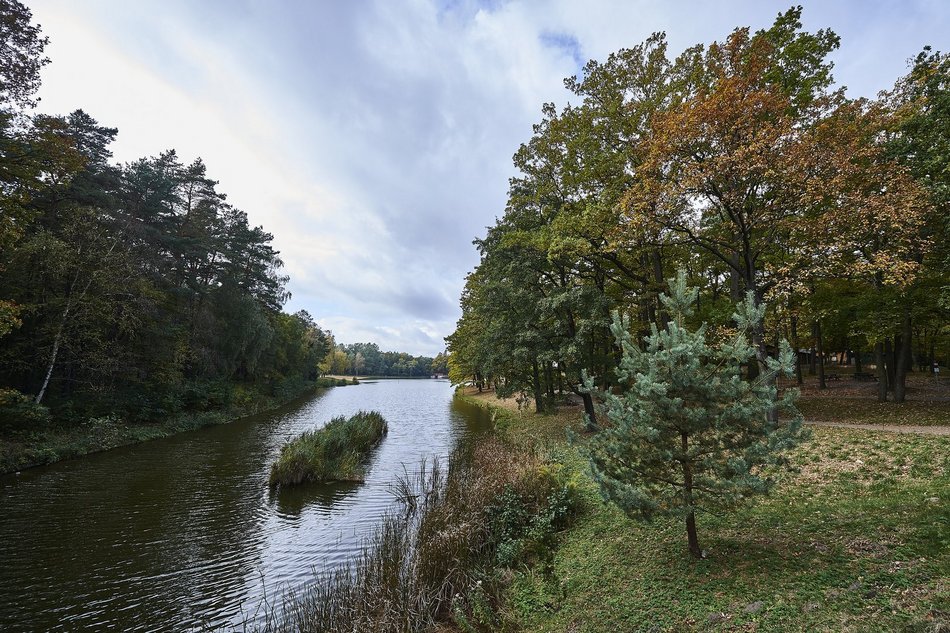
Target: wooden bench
column 864, row 376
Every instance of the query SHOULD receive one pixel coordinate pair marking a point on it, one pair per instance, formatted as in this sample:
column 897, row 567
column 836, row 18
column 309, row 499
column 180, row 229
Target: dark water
column 181, row 533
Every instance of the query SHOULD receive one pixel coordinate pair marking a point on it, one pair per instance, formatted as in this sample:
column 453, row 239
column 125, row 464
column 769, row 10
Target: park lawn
column 870, row 411
column 857, row 540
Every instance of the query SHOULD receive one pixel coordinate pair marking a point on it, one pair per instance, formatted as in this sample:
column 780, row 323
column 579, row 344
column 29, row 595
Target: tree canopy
column 741, row 162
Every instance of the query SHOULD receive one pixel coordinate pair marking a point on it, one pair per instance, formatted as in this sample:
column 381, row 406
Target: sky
column 374, row 139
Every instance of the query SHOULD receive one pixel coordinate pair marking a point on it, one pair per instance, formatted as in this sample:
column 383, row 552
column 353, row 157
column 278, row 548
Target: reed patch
column 336, row 452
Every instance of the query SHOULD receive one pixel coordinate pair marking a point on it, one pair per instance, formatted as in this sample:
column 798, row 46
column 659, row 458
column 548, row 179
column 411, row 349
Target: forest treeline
column 134, row 291
column 742, row 163
column 366, row 359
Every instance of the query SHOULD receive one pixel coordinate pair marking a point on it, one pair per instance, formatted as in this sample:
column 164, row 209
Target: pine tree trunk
column 692, row 538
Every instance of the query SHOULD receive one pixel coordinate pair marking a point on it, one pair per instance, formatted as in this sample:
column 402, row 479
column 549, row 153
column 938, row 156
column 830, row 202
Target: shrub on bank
column 328, row 381
column 336, row 452
column 445, row 558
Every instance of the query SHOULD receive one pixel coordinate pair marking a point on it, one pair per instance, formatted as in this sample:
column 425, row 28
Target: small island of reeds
column 336, row 452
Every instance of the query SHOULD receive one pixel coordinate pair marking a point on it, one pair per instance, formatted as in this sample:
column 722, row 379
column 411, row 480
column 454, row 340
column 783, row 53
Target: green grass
column 336, row 452
column 858, row 539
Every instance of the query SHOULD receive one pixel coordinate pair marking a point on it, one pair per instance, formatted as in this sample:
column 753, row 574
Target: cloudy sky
column 374, row 138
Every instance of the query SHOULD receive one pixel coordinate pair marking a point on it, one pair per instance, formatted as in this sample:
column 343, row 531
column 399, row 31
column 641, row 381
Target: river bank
column 52, row 443
column 443, row 560
column 854, row 537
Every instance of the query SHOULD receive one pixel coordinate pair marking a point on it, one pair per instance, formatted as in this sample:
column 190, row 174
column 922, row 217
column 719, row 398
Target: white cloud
column 374, row 139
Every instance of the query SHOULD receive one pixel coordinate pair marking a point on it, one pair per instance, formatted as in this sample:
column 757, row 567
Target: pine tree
column 688, row 433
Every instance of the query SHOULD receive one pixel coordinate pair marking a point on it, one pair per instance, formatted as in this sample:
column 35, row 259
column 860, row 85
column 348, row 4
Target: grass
column 846, row 401
column 336, row 452
column 857, row 540
column 865, row 411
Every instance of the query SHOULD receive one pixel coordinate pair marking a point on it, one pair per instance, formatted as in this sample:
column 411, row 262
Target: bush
column 18, row 412
column 336, row 452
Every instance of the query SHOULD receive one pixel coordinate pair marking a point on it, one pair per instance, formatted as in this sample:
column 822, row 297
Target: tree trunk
column 903, row 360
column 692, row 538
column 57, row 341
column 735, row 290
column 881, row 372
column 657, row 261
column 52, row 356
column 590, row 417
column 798, row 357
column 536, row 387
column 857, row 361
column 889, row 358
column 820, row 351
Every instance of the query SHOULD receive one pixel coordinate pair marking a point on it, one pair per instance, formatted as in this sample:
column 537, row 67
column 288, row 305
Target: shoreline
column 98, row 435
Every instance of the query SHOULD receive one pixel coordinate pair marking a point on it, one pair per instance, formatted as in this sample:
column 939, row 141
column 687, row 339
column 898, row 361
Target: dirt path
column 888, row 428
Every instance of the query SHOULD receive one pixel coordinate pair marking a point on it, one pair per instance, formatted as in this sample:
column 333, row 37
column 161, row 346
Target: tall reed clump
column 442, row 560
column 336, row 452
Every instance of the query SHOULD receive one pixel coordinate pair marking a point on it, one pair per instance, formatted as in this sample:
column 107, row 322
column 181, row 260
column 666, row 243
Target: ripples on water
column 184, row 532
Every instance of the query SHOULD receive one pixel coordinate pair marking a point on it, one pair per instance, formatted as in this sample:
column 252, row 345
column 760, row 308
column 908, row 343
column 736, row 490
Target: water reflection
column 178, row 532
column 292, row 500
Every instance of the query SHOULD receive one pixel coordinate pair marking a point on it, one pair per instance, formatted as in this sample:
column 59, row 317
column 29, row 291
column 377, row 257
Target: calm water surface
column 183, row 532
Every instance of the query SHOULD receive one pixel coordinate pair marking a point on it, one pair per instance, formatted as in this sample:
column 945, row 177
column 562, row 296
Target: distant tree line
column 131, row 289
column 366, row 359
column 743, row 164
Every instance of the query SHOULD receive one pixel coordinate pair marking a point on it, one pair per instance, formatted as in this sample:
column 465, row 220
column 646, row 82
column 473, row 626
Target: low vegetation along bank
column 336, row 452
column 41, row 439
column 444, row 562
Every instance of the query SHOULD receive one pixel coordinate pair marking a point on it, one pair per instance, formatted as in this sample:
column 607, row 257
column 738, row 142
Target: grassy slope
column 857, row 540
